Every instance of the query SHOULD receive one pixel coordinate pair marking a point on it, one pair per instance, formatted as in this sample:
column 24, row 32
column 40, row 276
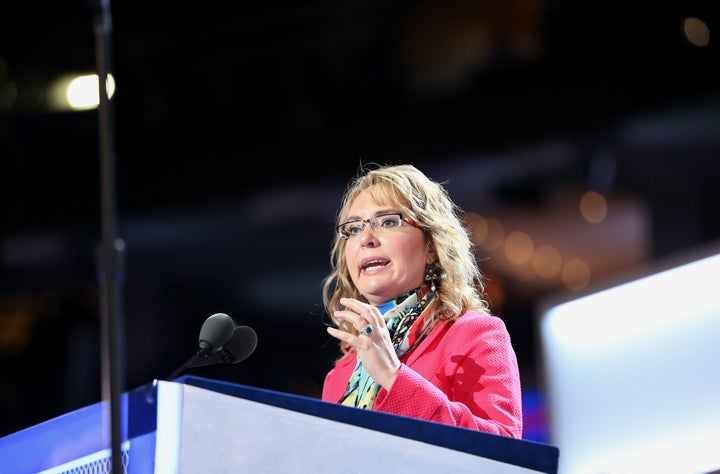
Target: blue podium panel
column 193, row 424
column 79, row 441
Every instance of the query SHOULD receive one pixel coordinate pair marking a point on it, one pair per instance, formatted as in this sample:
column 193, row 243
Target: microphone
column 240, row 346
column 220, row 342
column 214, row 333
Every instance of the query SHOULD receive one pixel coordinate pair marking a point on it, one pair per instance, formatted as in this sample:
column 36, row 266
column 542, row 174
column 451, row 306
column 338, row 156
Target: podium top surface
column 85, row 431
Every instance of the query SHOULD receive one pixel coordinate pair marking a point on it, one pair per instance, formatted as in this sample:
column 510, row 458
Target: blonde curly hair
column 427, row 203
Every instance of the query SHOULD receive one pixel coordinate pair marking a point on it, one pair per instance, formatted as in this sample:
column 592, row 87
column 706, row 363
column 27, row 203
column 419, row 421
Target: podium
column 198, row 425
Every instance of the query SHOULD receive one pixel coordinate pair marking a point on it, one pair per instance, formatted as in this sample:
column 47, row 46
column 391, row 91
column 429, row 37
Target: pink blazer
column 464, row 373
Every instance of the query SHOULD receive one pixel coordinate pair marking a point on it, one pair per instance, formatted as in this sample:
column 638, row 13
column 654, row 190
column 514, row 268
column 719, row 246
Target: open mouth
column 374, row 263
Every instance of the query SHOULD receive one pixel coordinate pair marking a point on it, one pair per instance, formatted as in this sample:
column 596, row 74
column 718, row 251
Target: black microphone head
column 241, row 344
column 215, row 332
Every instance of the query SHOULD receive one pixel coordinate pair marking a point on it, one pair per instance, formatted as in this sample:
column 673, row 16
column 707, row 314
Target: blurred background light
column 77, row 92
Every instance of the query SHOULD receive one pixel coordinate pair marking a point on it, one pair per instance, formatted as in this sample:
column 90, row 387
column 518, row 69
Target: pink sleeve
column 336, row 380
column 471, row 379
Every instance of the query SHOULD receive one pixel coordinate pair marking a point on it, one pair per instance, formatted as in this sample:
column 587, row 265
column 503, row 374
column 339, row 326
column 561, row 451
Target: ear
column 430, row 256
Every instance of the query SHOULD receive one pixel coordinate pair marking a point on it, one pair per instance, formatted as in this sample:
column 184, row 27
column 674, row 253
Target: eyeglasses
column 382, row 222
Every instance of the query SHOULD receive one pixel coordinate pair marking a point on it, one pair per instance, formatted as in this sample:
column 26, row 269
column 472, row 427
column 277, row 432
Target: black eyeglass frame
column 369, row 220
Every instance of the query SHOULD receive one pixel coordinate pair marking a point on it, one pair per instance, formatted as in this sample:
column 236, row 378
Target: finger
column 351, row 339
column 360, row 325
column 352, row 318
column 367, row 330
column 339, row 334
column 368, row 312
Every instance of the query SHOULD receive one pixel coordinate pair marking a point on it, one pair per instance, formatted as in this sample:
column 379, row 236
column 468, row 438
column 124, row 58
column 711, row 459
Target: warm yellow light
column 518, row 247
column 593, row 207
column 495, row 234
column 78, row 92
column 546, row 261
column 696, row 31
column 576, row 274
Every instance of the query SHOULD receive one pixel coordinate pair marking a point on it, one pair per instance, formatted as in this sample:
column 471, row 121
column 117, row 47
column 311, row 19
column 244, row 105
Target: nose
column 367, row 236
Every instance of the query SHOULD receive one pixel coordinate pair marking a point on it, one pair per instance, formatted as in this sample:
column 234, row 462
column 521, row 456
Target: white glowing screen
column 632, row 374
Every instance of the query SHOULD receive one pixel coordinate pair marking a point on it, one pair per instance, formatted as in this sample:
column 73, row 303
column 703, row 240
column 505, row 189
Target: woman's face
column 385, row 264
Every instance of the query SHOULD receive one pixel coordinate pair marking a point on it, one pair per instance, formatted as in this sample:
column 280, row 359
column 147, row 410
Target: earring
column 432, row 275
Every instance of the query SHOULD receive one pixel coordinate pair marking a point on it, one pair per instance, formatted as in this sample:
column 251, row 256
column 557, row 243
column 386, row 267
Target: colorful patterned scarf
column 407, row 326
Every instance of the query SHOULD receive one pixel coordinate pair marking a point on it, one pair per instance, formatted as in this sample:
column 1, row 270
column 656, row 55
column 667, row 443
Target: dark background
column 237, row 126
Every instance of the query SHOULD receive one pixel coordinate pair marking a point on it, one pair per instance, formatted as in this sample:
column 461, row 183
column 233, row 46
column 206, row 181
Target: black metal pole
column 110, row 251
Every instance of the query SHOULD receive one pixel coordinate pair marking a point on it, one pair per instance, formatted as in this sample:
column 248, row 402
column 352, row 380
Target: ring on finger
column 367, row 330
